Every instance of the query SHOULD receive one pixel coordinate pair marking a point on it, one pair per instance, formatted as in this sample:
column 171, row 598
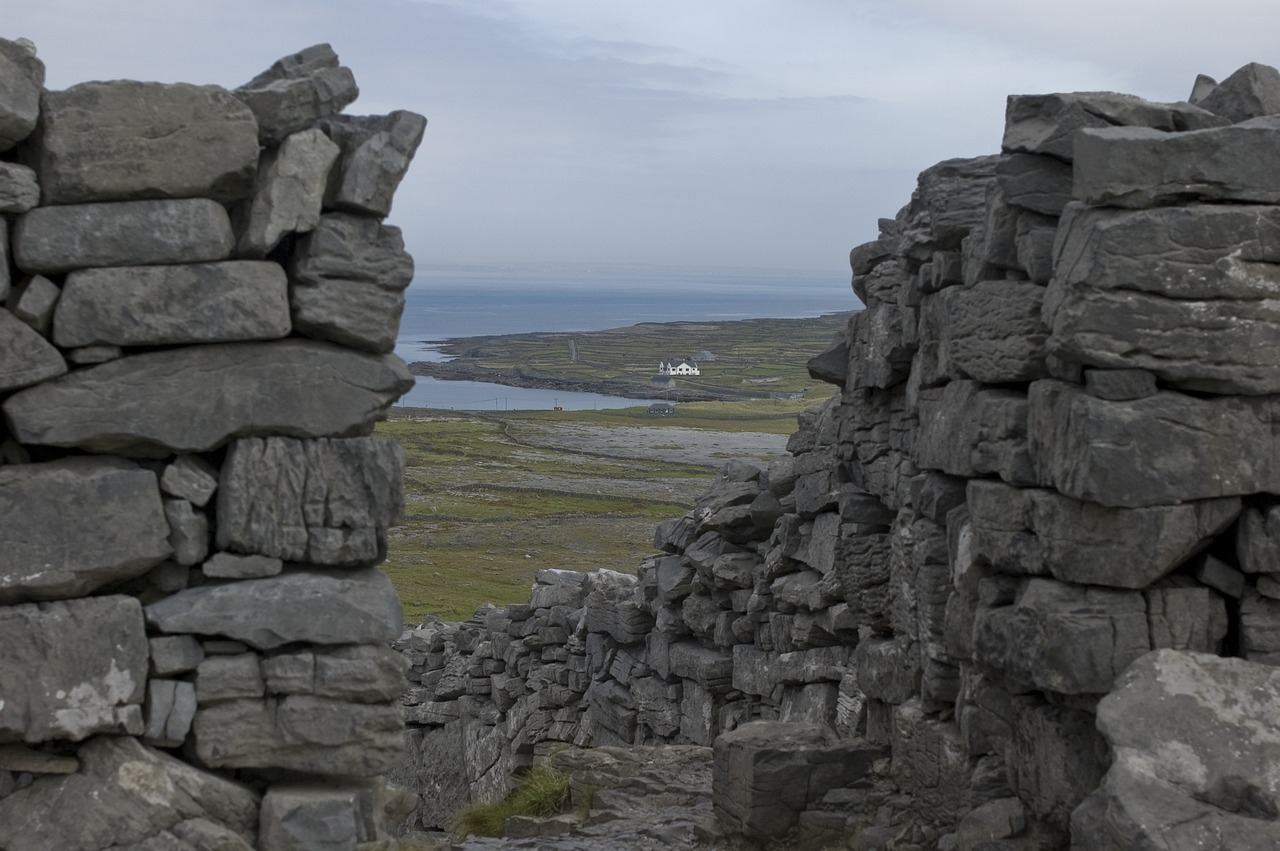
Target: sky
column 750, row 133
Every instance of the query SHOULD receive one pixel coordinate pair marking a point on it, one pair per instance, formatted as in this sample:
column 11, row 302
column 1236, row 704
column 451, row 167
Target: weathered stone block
column 991, row 332
column 1054, row 758
column 376, row 152
column 191, row 478
column 188, row 532
column 1260, row 629
column 33, row 302
column 125, row 141
column 26, row 358
column 197, row 398
column 287, row 194
column 1152, row 451
column 19, row 190
column 1040, row 532
column 1137, row 167
column 1258, row 539
column 298, row 817
column 21, row 82
column 930, row 759
column 228, row 678
column 971, row 431
column 232, row 566
column 948, row 203
column 52, row 240
column 358, row 606
column 326, row 502
column 74, row 525
column 171, row 707
column 349, row 276
column 91, row 659
column 1041, row 184
column 1250, row 92
column 168, row 305
column 174, row 654
column 297, row 91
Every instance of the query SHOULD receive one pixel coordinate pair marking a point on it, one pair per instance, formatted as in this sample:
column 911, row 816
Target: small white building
column 681, row 366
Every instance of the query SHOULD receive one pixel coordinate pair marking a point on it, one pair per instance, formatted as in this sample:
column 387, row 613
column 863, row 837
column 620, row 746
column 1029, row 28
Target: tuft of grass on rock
column 541, row 793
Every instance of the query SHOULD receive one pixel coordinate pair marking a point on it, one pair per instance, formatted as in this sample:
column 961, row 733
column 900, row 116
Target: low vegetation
column 541, row 793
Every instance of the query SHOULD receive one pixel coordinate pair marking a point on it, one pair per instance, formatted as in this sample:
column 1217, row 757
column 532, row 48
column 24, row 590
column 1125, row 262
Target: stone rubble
column 196, row 634
column 985, row 603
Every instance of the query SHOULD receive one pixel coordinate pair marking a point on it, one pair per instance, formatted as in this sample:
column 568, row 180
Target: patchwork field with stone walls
column 200, row 300
column 1019, row 583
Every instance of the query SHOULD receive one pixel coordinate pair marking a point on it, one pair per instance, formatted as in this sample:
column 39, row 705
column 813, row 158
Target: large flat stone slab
column 21, row 82
column 74, row 525
column 1039, row 532
column 1160, row 450
column 72, row 669
column 1138, row 167
column 303, row 733
column 198, row 398
column 349, row 277
column 322, row 501
column 124, row 140
column 52, row 240
column 318, row 607
column 173, row 305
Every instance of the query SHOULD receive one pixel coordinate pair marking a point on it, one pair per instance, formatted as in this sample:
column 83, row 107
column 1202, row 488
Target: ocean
column 471, row 300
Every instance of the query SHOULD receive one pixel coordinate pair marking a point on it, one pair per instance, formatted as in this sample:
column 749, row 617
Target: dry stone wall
column 1024, row 564
column 200, row 300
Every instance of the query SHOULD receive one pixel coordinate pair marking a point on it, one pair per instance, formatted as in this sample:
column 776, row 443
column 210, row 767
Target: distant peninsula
column 737, row 360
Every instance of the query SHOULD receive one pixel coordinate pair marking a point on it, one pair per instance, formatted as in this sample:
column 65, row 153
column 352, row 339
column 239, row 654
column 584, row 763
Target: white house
column 682, row 366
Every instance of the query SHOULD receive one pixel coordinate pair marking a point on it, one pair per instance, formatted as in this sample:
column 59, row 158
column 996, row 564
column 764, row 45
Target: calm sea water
column 467, row 301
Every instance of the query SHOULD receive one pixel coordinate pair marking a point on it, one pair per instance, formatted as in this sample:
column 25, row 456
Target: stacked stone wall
column 198, row 304
column 1011, row 553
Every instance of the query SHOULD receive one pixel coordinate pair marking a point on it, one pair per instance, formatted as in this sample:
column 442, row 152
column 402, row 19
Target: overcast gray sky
column 763, row 133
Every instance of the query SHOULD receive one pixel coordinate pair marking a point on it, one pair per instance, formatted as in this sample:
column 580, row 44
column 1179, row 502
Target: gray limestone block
column 1035, row 182
column 347, row 607
column 991, row 332
column 1216, row 787
column 287, row 194
column 190, row 477
column 1220, row 576
column 1040, row 532
column 376, row 152
column 170, row 709
column 948, row 203
column 886, row 670
column 1200, row 89
column 188, row 532
column 52, row 240
column 1250, row 92
column 33, row 301
column 173, row 305
column 1055, row 758
column 174, row 654
column 879, row 347
column 1048, row 124
column 1135, row 167
column 21, row 82
column 1186, row 617
column 1069, row 639
column 832, row 365
column 1258, row 539
column 994, row 240
column 93, row 355
column 197, row 398
column 129, row 795
column 934, row 495
column 1183, row 292
column 970, row 431
column 1260, row 628
column 929, row 758
column 297, row 91
column 19, row 190
column 348, row 278
column 1034, row 242
column 1152, row 451
column 290, row 673
column 91, row 659
column 232, row 566
column 1119, row 385
column 124, row 141
column 26, row 358
column 361, row 673
column 299, row 817
column 324, row 502
column 865, row 257
column 74, row 525
column 230, row 677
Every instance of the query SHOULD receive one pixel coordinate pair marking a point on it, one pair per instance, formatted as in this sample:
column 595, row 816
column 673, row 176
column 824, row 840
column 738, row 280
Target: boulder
column 173, row 305
column 1152, row 451
column 52, row 240
column 198, row 398
column 75, row 525
column 1184, row 292
column 324, row 502
column 1195, row 760
column 357, row 606
column 126, row 141
column 19, row 190
column 348, row 277
column 1040, row 532
column 297, row 91
column 301, row 733
column 376, row 152
column 1250, row 92
column 91, row 656
column 287, row 193
column 1048, row 124
column 127, row 795
column 26, row 358
column 21, row 82
column 1136, row 167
